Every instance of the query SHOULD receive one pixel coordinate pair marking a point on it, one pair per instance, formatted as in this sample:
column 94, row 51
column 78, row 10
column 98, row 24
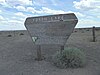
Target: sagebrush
column 69, row 58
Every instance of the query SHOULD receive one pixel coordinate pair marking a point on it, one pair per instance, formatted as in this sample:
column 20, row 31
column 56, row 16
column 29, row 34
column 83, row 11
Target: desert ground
column 18, row 53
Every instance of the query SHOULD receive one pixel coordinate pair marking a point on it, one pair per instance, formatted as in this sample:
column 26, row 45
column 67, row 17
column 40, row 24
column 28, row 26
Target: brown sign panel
column 52, row 29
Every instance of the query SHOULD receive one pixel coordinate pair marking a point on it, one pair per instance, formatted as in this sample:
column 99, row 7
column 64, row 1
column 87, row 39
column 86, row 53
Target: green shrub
column 69, row 58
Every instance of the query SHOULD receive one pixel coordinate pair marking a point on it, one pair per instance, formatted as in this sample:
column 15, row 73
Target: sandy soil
column 17, row 56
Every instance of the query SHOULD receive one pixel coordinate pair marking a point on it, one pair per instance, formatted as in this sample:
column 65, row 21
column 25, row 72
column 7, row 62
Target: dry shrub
column 69, row 58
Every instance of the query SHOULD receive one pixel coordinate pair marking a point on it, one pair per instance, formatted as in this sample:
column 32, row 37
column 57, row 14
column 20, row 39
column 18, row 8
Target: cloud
column 4, row 4
column 11, row 20
column 78, row 14
column 54, row 2
column 15, row 22
column 1, row 18
column 98, row 16
column 87, row 4
column 45, row 10
column 87, row 23
column 19, row 2
column 30, row 9
column 12, row 3
column 20, row 8
column 0, row 11
column 40, row 2
column 52, row 11
column 27, row 9
column 2, row 1
column 12, row 25
column 20, row 14
column 48, row 3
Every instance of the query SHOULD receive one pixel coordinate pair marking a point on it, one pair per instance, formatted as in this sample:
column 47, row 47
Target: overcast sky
column 14, row 12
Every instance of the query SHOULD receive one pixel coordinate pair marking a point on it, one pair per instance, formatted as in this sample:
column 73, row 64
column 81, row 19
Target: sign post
column 93, row 31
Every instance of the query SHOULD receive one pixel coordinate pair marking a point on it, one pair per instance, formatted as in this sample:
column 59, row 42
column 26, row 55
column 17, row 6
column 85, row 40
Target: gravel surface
column 18, row 53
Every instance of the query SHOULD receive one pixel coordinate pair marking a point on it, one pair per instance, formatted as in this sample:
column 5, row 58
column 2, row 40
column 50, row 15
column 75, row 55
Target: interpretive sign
column 52, row 29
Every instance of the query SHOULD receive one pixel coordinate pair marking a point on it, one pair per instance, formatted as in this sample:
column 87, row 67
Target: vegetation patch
column 69, row 58
column 9, row 35
column 21, row 34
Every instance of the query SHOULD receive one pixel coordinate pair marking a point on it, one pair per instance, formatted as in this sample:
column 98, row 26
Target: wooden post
column 39, row 56
column 62, row 48
column 93, row 31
